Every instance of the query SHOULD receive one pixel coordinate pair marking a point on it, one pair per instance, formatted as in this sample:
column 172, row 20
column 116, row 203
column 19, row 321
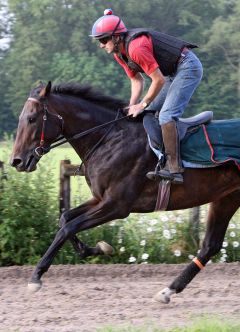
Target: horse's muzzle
column 29, row 165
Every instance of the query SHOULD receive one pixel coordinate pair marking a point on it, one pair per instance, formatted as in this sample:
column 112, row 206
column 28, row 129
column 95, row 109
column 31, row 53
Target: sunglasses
column 104, row 40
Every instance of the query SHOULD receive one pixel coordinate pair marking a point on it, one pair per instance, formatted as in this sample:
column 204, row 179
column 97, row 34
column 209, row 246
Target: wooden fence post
column 64, row 197
column 66, row 171
column 3, row 175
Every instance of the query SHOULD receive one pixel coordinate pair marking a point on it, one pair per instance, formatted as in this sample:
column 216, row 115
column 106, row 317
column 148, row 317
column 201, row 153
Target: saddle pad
column 213, row 143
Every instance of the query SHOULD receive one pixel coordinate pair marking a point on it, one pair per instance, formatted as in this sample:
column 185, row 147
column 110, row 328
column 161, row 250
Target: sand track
column 82, row 298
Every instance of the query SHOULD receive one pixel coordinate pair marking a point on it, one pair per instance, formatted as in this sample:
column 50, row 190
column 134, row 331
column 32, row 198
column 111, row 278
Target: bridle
column 40, row 150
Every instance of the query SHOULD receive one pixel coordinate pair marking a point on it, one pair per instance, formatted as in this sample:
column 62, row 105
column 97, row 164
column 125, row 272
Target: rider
column 174, row 70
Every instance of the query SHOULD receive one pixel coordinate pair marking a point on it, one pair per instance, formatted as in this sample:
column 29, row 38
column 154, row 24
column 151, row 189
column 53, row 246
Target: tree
column 50, row 41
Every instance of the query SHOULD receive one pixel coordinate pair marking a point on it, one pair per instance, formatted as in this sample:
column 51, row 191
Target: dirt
column 84, row 298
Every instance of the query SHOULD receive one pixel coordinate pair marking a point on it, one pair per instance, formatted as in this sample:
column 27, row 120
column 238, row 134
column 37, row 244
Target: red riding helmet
column 108, row 25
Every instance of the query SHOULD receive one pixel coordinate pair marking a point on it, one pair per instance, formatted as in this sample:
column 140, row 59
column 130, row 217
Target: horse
column 116, row 157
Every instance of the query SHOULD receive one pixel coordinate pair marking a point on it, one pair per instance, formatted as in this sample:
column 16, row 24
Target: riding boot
column 172, row 170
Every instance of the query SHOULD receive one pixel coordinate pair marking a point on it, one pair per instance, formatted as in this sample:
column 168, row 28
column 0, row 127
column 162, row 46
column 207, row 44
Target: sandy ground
column 84, row 298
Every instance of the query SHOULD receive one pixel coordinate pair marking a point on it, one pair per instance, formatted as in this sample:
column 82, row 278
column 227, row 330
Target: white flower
column 122, row 249
column 166, row 234
column 173, row 230
column 232, row 234
column 153, row 222
column 235, row 244
column 179, row 220
column 232, row 226
column 145, row 256
column 177, row 252
column 222, row 259
column 225, row 244
column 164, row 218
column 190, row 257
column 120, row 241
column 223, row 251
column 149, row 229
column 143, row 243
column 132, row 259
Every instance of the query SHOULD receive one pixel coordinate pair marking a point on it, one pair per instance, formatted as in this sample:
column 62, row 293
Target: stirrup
column 175, row 178
column 153, row 175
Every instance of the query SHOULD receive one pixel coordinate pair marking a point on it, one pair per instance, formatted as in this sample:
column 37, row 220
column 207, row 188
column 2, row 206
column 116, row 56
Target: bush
column 28, row 214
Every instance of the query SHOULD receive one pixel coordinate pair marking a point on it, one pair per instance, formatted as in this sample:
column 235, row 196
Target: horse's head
column 37, row 129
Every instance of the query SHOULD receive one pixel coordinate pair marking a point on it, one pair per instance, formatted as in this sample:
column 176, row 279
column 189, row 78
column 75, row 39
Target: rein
column 41, row 150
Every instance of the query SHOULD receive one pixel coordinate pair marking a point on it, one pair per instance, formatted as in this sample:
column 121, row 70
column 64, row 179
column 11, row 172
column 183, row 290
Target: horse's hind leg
column 219, row 215
column 102, row 248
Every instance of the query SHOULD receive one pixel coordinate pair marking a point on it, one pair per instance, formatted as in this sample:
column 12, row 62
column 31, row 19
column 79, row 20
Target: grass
column 203, row 325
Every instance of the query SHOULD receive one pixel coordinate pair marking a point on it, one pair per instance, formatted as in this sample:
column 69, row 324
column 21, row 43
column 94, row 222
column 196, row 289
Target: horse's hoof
column 33, row 287
column 105, row 248
column 164, row 295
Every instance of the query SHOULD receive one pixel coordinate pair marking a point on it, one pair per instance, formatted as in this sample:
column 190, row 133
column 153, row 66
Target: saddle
column 203, row 142
column 153, row 129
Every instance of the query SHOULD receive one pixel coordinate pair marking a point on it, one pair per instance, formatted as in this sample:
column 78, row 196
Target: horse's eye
column 31, row 120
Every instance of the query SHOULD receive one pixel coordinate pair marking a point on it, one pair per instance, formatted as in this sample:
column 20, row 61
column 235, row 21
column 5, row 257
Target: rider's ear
column 46, row 90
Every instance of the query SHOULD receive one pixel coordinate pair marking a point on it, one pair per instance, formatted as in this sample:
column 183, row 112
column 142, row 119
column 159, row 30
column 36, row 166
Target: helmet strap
column 117, row 25
column 116, row 42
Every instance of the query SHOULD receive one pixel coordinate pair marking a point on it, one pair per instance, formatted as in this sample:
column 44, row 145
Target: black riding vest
column 167, row 49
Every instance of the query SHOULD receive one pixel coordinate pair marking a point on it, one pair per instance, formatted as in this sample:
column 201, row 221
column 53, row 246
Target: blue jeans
column 178, row 89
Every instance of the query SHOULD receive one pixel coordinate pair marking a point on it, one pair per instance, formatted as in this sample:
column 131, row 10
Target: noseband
column 40, row 150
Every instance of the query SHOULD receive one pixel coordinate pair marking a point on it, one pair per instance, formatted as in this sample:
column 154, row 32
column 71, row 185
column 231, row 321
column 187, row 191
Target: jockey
column 174, row 70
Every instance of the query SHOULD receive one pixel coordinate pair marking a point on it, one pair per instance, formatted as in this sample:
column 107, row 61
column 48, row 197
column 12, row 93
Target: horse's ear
column 46, row 90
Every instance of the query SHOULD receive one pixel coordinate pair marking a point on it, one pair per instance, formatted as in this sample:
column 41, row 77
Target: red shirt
column 140, row 51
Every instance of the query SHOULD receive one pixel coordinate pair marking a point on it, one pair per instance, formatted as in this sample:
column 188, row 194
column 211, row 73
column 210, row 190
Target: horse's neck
column 80, row 116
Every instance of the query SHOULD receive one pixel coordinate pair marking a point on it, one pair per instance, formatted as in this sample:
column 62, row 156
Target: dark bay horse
column 115, row 172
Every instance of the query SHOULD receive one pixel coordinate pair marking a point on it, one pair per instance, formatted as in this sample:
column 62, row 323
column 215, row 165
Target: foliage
column 49, row 40
column 28, row 214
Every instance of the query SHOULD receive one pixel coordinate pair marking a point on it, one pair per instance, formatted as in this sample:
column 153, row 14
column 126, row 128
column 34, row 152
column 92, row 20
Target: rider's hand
column 135, row 110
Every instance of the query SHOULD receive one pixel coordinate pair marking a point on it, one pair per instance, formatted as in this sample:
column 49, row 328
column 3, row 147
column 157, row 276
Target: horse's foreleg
column 219, row 215
column 102, row 248
column 97, row 215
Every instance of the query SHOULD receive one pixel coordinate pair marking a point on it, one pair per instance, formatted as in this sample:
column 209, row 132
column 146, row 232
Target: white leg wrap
column 164, row 295
column 33, row 287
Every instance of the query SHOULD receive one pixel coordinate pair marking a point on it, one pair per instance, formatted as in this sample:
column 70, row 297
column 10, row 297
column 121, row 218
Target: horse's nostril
column 16, row 162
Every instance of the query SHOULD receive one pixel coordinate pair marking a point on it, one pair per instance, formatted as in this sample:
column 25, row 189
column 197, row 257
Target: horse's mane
column 89, row 93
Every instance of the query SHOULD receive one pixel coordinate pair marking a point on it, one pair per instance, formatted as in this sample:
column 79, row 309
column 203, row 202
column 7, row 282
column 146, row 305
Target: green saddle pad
column 212, row 144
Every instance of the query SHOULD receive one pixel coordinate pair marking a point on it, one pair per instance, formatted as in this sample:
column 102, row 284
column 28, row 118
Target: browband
column 33, row 99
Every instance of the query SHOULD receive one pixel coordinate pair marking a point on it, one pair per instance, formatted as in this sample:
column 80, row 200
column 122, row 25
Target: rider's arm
column 155, row 87
column 157, row 83
column 137, row 86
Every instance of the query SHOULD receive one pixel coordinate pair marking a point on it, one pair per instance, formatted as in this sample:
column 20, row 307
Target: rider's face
column 108, row 45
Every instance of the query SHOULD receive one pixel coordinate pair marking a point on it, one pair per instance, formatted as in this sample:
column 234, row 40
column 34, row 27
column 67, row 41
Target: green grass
column 204, row 325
